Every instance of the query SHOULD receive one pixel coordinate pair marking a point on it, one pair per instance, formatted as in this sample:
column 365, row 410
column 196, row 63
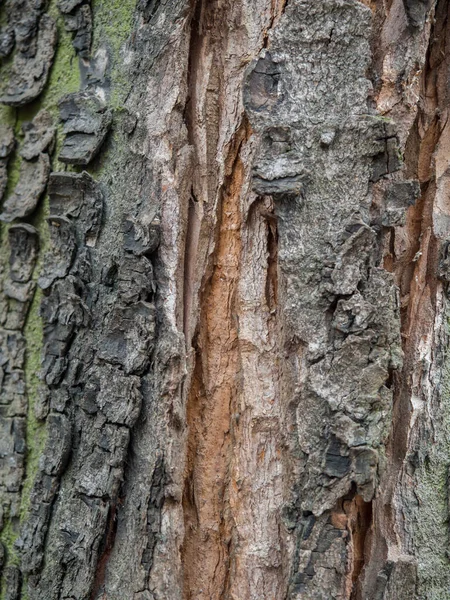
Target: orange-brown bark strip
column 359, row 514
column 210, row 406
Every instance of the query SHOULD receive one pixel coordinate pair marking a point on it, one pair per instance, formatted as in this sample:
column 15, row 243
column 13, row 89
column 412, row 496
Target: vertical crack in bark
column 193, row 217
column 413, row 256
column 210, row 405
column 272, row 261
column 278, row 8
column 359, row 514
column 105, row 550
column 416, row 269
column 227, row 437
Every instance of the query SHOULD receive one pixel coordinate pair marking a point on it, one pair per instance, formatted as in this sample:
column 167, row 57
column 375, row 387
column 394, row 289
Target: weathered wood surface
column 224, row 268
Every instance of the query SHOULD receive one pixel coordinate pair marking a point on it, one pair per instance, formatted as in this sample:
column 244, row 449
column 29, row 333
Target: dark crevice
column 272, row 261
column 105, row 550
column 360, row 522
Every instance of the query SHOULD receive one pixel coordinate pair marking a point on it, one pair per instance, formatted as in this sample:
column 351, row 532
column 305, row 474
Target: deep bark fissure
column 211, row 402
column 105, row 550
column 413, row 253
column 360, row 522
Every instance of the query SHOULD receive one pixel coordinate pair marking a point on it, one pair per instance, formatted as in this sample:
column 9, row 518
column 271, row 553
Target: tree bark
column 224, row 300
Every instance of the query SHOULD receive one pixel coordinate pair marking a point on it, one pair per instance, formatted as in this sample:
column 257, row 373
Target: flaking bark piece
column 416, row 12
column 61, row 255
column 13, row 582
column 77, row 196
column 86, row 123
column 135, row 280
column 3, row 176
column 24, row 244
column 23, row 17
column 129, row 337
column 32, row 182
column 6, row 141
column 6, row 41
column 12, row 350
column 81, row 24
column 57, row 449
column 39, row 135
column 29, row 74
column 398, row 198
column 6, row 147
column 116, row 395
column 140, row 238
column 67, row 6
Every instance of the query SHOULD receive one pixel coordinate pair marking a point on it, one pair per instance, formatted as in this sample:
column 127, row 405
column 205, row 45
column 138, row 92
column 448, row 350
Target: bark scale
column 225, row 235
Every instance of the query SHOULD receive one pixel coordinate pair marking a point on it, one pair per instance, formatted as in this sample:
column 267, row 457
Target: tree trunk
column 225, row 257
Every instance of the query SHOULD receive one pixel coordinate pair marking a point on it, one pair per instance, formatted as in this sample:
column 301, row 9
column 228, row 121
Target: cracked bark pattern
column 243, row 300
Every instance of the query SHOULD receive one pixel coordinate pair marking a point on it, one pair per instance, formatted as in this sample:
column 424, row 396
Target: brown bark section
column 230, row 269
column 211, row 404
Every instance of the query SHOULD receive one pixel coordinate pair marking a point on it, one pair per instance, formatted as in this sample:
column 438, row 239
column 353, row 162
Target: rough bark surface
column 225, row 263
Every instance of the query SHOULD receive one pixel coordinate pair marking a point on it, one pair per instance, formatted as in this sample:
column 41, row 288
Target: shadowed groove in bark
column 272, row 261
column 193, row 216
column 359, row 515
column 105, row 551
column 412, row 254
column 211, row 402
column 217, row 443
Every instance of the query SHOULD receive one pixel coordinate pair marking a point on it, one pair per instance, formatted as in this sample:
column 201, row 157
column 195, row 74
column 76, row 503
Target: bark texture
column 225, row 262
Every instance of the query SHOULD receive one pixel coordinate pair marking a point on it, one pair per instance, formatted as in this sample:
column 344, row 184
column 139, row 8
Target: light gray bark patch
column 397, row 580
column 68, row 6
column 39, row 135
column 319, row 148
column 86, row 122
column 6, row 41
column 13, row 583
column 29, row 189
column 31, row 62
column 444, row 264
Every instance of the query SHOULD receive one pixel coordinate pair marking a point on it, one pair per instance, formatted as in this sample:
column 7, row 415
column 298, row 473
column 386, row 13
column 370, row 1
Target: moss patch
column 113, row 21
column 113, row 24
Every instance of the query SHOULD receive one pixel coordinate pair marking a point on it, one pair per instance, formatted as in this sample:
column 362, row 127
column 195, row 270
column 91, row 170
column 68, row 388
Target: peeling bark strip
column 236, row 218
